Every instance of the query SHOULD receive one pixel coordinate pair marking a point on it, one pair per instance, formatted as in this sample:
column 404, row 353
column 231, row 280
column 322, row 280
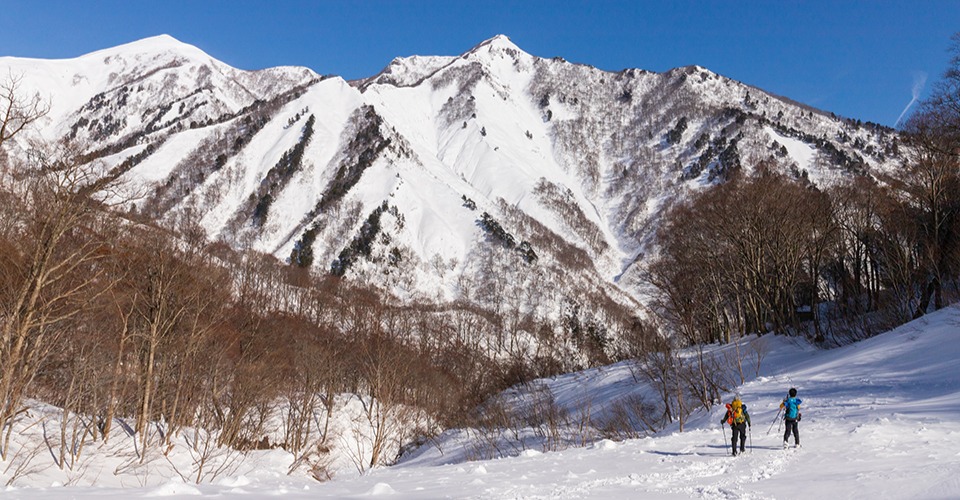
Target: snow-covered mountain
column 439, row 177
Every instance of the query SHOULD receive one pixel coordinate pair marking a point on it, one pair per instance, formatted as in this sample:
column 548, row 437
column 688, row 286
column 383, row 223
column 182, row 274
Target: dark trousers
column 739, row 431
column 791, row 427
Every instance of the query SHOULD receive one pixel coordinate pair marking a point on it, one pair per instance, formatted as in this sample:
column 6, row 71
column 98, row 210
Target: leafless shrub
column 20, row 463
column 209, row 460
column 627, row 418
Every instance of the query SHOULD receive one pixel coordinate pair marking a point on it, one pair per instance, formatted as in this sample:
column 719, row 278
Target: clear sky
column 860, row 59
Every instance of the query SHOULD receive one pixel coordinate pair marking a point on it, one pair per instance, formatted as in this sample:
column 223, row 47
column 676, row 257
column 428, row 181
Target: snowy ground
column 880, row 421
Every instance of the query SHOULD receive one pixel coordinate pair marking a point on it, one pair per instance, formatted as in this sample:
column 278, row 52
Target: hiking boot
column 785, row 445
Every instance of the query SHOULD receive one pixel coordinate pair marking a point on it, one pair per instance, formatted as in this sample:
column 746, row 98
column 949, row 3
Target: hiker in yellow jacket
column 739, row 419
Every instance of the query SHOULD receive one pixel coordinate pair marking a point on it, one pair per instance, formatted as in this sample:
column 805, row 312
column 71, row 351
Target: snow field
column 880, row 421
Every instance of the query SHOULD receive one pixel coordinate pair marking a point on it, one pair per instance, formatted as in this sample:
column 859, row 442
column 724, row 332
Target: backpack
column 735, row 413
column 792, row 408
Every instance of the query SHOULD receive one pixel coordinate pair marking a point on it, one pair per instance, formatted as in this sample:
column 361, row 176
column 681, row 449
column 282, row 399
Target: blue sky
column 860, row 59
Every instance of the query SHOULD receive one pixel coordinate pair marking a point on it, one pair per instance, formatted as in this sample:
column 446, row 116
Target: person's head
column 793, row 392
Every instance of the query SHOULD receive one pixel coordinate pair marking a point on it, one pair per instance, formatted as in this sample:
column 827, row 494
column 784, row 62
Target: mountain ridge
column 473, row 157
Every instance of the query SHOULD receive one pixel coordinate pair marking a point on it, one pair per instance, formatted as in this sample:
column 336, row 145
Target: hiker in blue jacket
column 791, row 415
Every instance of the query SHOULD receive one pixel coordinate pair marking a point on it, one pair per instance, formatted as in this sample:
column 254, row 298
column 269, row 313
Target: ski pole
column 724, row 429
column 775, row 421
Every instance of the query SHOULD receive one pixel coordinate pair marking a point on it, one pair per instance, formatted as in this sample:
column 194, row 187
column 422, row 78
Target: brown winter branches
column 764, row 253
column 156, row 330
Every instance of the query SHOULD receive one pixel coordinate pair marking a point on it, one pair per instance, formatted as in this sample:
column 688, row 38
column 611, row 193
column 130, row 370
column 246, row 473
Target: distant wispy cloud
column 919, row 81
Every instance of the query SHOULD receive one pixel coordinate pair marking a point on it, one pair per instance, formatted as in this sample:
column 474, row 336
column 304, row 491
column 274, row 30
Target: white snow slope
column 880, row 421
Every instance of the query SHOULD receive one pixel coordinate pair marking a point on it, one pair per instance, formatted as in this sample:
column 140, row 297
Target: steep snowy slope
column 440, row 172
column 474, row 129
column 594, row 156
column 143, row 86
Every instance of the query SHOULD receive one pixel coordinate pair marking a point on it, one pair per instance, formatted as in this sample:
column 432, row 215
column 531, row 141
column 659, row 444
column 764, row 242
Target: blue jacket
column 792, row 407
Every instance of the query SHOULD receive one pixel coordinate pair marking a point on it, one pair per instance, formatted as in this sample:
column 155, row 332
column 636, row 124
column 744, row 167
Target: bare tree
column 926, row 191
column 47, row 275
column 17, row 112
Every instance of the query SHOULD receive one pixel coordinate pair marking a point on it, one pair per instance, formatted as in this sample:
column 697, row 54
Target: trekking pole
column 750, row 433
column 774, row 421
column 723, row 428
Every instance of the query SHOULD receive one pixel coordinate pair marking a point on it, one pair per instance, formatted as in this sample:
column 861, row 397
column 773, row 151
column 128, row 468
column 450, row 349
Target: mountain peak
column 161, row 39
column 153, row 45
column 497, row 43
